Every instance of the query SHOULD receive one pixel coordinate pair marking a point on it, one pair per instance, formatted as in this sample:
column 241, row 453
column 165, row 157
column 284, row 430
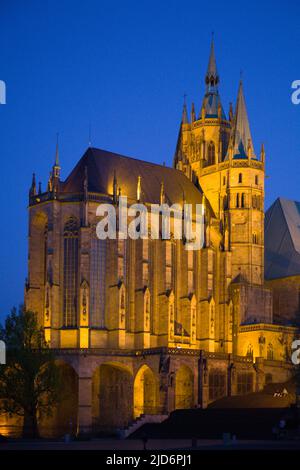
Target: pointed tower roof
column 212, row 101
column 178, row 151
column 56, row 162
column 178, row 155
column 241, row 135
column 56, row 167
column 185, row 119
column 212, row 78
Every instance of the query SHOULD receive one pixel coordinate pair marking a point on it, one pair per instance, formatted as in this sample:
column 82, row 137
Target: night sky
column 124, row 66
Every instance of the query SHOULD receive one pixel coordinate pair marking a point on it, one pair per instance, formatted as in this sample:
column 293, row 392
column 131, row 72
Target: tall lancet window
column 190, row 263
column 97, row 282
column 122, row 259
column 45, row 251
column 145, row 243
column 211, row 154
column 70, row 291
column 169, row 262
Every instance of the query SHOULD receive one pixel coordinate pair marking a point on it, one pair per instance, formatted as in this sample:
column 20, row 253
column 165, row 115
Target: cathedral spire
column 56, row 167
column 32, row 191
column 178, row 156
column 193, row 113
column 185, row 119
column 241, row 135
column 211, row 77
column 211, row 105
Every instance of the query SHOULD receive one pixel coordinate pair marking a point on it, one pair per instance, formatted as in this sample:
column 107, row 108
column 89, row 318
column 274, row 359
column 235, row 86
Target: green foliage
column 30, row 381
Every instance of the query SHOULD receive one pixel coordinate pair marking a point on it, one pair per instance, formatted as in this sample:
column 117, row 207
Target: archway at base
column 63, row 417
column 112, row 398
column 146, row 392
column 184, row 388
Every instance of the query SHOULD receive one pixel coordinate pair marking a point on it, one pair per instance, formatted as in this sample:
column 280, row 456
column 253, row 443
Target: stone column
column 84, row 425
column 260, row 373
column 171, row 391
column 203, row 389
column 232, row 382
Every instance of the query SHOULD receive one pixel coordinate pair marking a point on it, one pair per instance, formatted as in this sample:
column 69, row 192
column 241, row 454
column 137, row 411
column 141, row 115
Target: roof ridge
column 289, row 222
column 131, row 158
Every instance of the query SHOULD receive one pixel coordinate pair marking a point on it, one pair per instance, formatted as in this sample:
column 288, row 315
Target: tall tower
column 243, row 203
column 202, row 141
column 218, row 153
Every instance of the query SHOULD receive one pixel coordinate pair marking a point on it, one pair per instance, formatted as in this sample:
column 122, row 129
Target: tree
column 30, row 381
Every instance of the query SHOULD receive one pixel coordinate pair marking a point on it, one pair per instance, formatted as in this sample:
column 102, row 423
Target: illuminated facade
column 145, row 326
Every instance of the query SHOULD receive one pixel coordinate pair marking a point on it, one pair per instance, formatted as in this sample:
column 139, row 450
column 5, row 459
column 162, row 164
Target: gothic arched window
column 237, row 200
column 70, row 290
column 45, row 250
column 169, row 264
column 243, row 200
column 97, row 281
column 211, row 154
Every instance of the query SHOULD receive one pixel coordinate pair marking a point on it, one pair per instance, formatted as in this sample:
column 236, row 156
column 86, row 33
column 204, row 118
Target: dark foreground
column 152, row 444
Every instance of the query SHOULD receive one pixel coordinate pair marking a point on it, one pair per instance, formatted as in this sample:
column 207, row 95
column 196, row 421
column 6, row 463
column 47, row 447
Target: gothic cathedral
column 145, row 326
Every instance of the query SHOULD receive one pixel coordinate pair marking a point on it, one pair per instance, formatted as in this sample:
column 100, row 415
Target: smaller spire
column 241, row 135
column 32, row 191
column 193, row 113
column 56, row 167
column 185, row 119
column 40, row 187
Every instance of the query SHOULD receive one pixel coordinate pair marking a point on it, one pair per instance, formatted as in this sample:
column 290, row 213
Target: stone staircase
column 140, row 421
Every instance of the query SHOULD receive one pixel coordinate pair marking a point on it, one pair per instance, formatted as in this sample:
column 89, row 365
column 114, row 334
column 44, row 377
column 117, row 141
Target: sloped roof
column 240, row 134
column 282, row 239
column 101, row 166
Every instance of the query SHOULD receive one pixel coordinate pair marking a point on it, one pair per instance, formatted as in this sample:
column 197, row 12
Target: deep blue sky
column 124, row 66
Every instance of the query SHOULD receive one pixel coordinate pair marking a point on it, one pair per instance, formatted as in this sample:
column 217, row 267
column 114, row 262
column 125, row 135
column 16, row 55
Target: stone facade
column 146, row 326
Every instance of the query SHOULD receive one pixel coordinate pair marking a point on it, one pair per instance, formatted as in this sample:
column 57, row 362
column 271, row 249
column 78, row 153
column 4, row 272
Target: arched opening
column 63, row 417
column 111, row 397
column 184, row 388
column 145, row 392
column 211, row 154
